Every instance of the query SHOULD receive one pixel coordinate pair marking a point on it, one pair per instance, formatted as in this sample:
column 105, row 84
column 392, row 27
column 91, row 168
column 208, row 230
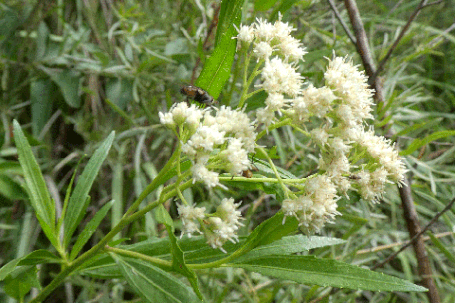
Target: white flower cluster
column 316, row 207
column 339, row 111
column 220, row 226
column 279, row 74
column 228, row 136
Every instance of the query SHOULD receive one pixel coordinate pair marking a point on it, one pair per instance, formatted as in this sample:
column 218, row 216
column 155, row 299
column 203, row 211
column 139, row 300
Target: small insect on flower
column 197, row 94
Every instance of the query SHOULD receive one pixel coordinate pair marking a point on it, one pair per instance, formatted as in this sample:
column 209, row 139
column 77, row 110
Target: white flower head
column 263, row 50
column 201, row 173
column 246, row 33
column 180, row 114
column 189, row 216
column 281, row 77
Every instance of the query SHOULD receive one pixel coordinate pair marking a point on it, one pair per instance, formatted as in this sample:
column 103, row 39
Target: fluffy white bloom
column 299, row 109
column 291, row 48
column 229, row 213
column 223, row 227
column 204, row 139
column 201, row 173
column 384, row 152
column 236, row 156
column 275, row 101
column 180, row 113
column 351, row 86
column 319, row 136
column 316, row 207
column 246, row 33
column 318, row 100
column 189, row 216
column 264, row 30
column 237, row 124
column 338, row 147
column 263, row 50
column 281, row 77
column 265, row 116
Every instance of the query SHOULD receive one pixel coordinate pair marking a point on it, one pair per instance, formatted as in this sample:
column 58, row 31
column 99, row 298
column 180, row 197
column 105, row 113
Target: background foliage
column 73, row 71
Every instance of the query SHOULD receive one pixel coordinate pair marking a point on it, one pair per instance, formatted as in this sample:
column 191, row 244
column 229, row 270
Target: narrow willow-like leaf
column 217, row 68
column 267, row 232
column 417, row 143
column 76, row 205
column 36, row 257
column 326, row 272
column 152, row 283
column 289, row 245
column 90, row 228
column 39, row 195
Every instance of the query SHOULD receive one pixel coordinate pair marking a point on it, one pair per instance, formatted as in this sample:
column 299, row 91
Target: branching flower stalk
column 219, row 140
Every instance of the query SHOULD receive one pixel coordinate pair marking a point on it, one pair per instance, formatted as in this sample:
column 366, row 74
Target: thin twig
column 398, row 39
column 343, row 24
column 391, row 257
column 432, row 3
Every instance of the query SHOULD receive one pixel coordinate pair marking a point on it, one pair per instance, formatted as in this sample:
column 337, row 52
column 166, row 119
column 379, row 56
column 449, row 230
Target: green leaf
column 179, row 265
column 36, row 257
column 417, row 143
column 11, row 189
column 152, row 283
column 263, row 5
column 19, row 285
column 41, row 92
column 36, row 187
column 120, row 92
column 68, row 82
column 217, row 68
column 89, row 229
column 77, row 202
column 289, row 245
column 442, row 248
column 267, row 232
column 326, row 272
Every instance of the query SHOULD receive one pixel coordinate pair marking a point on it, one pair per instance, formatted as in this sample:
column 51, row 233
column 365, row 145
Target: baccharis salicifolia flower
column 228, row 135
column 334, row 117
column 219, row 227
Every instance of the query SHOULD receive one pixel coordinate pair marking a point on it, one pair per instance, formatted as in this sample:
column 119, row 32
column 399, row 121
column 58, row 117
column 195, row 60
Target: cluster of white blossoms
column 218, row 227
column 335, row 116
column 352, row 157
column 316, row 207
column 213, row 143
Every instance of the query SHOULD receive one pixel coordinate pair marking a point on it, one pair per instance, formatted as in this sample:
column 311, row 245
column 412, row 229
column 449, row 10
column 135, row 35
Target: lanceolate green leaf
column 326, row 272
column 217, row 68
column 417, row 143
column 76, row 205
column 90, row 229
column 36, row 187
column 152, row 283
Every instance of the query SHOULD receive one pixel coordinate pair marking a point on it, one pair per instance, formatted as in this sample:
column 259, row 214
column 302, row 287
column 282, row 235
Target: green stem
column 166, row 265
column 154, row 184
column 272, row 165
column 274, row 126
